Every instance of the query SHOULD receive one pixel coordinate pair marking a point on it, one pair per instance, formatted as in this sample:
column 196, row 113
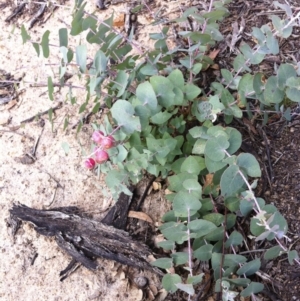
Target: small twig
column 278, row 159
column 142, row 198
column 87, row 116
column 37, row 142
column 42, row 113
column 199, row 295
column 39, row 13
column 267, row 146
column 55, row 85
column 17, row 11
column 13, row 132
column 189, row 245
column 53, row 178
column 58, row 185
column 252, row 251
column 53, row 198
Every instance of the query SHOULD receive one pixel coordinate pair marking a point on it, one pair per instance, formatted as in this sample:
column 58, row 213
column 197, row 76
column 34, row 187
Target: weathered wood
column 85, row 239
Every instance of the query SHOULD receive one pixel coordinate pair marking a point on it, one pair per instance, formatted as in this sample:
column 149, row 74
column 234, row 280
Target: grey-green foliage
column 164, row 123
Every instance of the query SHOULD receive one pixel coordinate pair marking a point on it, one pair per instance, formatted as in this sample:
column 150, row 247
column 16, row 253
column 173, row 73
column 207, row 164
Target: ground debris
column 85, row 239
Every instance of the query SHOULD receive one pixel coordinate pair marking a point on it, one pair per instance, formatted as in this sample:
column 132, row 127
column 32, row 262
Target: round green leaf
column 123, row 112
column 214, row 148
column 185, row 204
column 235, row 140
column 191, row 91
column 163, row 263
column 232, row 203
column 163, row 89
column 238, row 281
column 234, row 239
column 293, row 94
column 258, row 83
column 249, row 163
column 161, row 117
column 169, row 282
column 176, row 77
column 292, row 255
column 272, row 252
column 180, row 257
column 272, row 93
column 193, row 186
column 234, row 259
column 215, row 235
column 201, row 226
column 231, row 181
column 285, row 71
column 204, row 252
column 146, row 95
column 252, row 288
column 190, row 165
column 188, row 288
column 195, row 279
column 249, row 268
column 213, row 166
column 216, row 218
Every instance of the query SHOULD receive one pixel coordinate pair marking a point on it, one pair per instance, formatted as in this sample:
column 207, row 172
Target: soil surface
column 41, row 165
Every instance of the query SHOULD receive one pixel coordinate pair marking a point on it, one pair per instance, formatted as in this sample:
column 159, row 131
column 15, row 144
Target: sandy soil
column 22, row 277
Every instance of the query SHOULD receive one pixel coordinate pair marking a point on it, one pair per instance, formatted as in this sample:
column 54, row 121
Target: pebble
column 141, row 281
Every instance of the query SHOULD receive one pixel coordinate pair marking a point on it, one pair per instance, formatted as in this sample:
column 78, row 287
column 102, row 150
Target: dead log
column 85, row 239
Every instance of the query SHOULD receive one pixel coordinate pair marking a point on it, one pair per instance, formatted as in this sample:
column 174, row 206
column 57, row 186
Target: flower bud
column 98, row 136
column 101, row 156
column 108, row 142
column 89, row 163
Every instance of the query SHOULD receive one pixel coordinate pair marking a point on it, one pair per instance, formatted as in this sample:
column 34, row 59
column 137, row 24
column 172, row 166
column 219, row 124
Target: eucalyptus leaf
column 204, row 252
column 146, row 95
column 163, row 263
column 215, row 148
column 272, row 93
column 177, row 79
column 50, row 88
column 188, row 288
column 25, row 36
column 252, row 288
column 285, row 71
column 169, row 282
column 273, row 252
column 81, row 55
column 124, row 113
column 191, row 91
column 201, row 226
column 234, row 259
column 292, row 255
column 249, row 268
column 195, row 279
column 234, row 239
column 193, row 186
column 45, row 44
column 231, row 181
column 185, row 204
column 180, row 257
column 63, row 37
column 190, row 165
column 163, row 88
column 249, row 163
column 167, row 245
